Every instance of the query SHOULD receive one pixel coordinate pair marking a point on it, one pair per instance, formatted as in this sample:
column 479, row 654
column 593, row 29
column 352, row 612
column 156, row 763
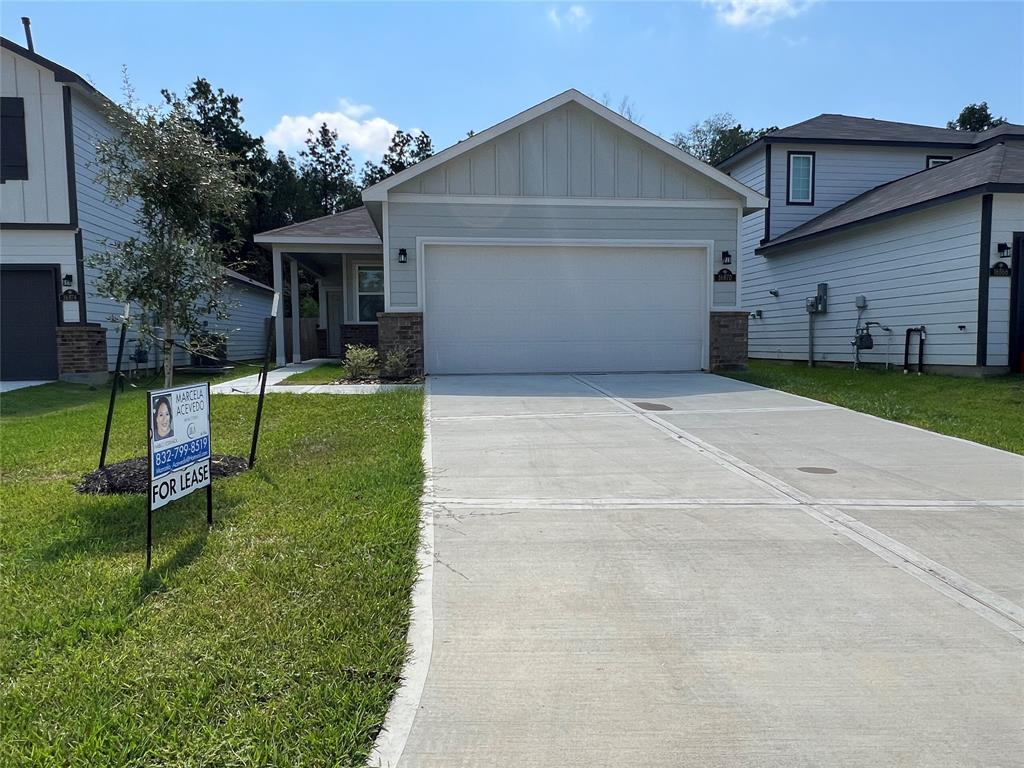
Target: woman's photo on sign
column 163, row 426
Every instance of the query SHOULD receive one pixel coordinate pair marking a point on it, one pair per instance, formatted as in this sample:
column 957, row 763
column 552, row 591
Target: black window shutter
column 13, row 152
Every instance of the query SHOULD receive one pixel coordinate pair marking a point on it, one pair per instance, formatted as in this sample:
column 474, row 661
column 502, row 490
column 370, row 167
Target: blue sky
column 450, row 67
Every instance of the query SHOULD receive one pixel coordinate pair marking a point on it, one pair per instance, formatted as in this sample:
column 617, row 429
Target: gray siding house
column 565, row 238
column 54, row 216
column 919, row 225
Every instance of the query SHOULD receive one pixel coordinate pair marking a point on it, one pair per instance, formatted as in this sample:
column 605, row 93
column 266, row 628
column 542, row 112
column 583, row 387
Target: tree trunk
column 168, row 350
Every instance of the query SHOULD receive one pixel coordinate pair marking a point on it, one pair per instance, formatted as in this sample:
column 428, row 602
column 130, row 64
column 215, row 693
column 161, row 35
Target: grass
column 988, row 411
column 275, row 639
column 322, row 374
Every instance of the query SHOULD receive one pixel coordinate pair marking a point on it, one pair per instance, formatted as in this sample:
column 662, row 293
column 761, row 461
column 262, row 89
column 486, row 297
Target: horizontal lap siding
column 1007, row 218
column 752, row 173
column 407, row 221
column 840, row 174
column 919, row 269
column 100, row 219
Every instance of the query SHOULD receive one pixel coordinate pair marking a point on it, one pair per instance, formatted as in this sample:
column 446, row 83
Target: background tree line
column 281, row 190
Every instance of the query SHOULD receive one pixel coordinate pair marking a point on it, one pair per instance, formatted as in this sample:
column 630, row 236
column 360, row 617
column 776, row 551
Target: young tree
column 975, row 117
column 717, row 137
column 326, row 170
column 179, row 183
column 406, row 149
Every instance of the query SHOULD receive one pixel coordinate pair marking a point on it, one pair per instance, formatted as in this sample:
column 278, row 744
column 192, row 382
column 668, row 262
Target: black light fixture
column 1003, row 248
column 403, row 256
column 68, row 280
column 726, row 257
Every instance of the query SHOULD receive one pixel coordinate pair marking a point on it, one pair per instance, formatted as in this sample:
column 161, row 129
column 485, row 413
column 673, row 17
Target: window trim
column 789, row 176
column 359, row 293
column 17, row 102
column 943, row 159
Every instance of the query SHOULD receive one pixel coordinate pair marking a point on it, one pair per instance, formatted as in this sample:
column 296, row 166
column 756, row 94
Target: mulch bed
column 132, row 475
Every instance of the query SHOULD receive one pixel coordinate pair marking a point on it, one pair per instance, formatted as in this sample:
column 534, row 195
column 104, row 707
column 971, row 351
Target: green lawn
column 322, row 374
column 275, row 639
column 989, row 411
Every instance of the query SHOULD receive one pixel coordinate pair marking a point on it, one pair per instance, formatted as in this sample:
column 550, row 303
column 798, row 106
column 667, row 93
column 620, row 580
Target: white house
column 53, row 216
column 908, row 226
column 565, row 238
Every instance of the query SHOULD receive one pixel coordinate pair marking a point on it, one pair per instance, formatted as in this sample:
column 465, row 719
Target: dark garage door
column 28, row 324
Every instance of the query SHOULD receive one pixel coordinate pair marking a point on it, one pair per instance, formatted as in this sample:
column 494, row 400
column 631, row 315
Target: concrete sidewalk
column 250, row 385
column 684, row 570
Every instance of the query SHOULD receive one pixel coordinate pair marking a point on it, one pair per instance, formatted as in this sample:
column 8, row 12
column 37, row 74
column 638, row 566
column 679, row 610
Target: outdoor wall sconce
column 68, row 280
column 774, row 292
column 1003, row 248
column 726, row 257
column 403, row 256
column 757, row 314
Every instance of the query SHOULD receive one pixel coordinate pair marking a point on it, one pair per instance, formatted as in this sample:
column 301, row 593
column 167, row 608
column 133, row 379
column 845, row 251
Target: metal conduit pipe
column 919, row 329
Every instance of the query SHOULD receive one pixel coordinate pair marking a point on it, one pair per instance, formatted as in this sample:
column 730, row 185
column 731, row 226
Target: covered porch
column 344, row 254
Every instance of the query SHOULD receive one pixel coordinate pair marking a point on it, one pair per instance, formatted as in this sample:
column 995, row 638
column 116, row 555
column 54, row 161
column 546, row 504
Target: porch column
column 294, row 285
column 279, row 297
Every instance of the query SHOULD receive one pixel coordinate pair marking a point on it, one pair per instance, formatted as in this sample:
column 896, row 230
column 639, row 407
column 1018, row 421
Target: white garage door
column 542, row 308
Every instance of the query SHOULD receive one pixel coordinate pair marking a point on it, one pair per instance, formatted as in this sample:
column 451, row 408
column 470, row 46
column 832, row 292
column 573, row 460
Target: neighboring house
column 924, row 223
column 53, row 216
column 565, row 238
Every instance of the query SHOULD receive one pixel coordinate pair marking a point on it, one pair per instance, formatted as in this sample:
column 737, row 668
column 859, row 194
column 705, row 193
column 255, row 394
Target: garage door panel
column 505, row 309
column 613, row 325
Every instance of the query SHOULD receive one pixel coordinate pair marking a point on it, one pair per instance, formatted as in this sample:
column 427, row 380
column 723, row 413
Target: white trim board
column 752, row 199
column 603, row 202
column 422, row 243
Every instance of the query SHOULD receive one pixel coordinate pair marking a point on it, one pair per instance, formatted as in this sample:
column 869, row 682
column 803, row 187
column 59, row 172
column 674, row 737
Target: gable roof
column 751, row 199
column 844, row 129
column 352, row 227
column 999, row 168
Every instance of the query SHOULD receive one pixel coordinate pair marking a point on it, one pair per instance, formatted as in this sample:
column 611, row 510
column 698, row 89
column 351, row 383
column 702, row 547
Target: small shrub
column 361, row 362
column 396, row 363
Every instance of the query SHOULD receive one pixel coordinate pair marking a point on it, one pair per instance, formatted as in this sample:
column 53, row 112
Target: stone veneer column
column 82, row 353
column 728, row 340
column 402, row 329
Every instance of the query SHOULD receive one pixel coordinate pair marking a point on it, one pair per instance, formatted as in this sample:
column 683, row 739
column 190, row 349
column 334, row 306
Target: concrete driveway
column 684, row 570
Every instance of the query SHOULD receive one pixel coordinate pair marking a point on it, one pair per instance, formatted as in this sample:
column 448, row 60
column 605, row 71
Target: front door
column 335, row 317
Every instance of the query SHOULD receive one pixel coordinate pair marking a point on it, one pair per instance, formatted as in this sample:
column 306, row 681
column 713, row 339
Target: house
column 565, row 238
column 908, row 226
column 53, row 216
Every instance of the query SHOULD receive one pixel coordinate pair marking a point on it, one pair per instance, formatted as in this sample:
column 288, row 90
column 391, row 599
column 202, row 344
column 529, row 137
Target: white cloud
column 757, row 13
column 366, row 135
column 575, row 16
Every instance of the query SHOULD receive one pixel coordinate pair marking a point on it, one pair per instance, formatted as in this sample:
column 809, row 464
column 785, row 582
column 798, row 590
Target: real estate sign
column 179, row 442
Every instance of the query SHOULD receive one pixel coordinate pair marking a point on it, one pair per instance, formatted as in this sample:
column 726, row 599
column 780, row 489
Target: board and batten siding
column 43, row 197
column 916, row 269
column 407, row 221
column 1007, row 218
column 568, row 152
column 840, row 174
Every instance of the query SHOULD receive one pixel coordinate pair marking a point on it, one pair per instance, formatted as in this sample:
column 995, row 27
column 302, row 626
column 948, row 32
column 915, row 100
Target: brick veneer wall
column 728, row 340
column 81, row 352
column 358, row 334
column 402, row 329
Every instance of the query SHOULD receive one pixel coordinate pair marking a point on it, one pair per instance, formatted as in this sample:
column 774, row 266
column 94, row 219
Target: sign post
column 179, row 450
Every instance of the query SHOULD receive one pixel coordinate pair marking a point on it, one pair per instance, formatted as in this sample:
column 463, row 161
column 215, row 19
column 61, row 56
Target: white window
column 369, row 292
column 932, row 160
column 800, row 187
